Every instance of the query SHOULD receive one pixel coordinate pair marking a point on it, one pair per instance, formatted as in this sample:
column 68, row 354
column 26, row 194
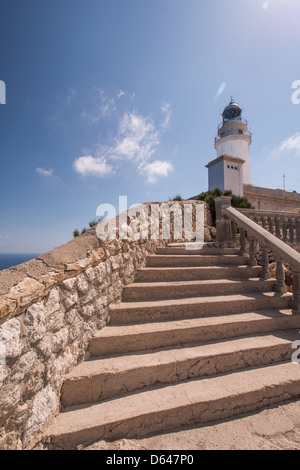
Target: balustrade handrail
column 267, row 213
column 265, row 238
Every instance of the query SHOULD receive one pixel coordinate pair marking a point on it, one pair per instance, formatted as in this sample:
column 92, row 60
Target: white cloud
column 136, row 139
column 288, row 149
column 166, row 109
column 121, row 93
column 45, row 172
column 104, row 106
column 89, row 165
column 71, row 93
column 291, row 144
column 156, row 169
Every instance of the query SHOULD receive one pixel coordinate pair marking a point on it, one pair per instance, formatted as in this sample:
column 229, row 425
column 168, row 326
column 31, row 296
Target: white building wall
column 236, row 146
column 233, row 178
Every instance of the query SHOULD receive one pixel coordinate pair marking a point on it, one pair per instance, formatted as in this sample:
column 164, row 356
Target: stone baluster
column 243, row 250
column 291, row 230
column 298, row 230
column 265, row 273
column 285, row 229
column 252, row 252
column 296, row 292
column 280, row 276
column 271, row 225
column 278, row 227
column 234, row 231
column 264, row 223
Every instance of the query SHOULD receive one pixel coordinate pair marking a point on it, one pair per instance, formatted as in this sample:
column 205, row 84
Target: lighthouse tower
column 231, row 169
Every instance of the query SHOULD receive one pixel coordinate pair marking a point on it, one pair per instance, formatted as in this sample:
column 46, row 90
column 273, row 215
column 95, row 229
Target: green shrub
column 93, row 223
column 236, row 201
column 76, row 232
column 176, row 198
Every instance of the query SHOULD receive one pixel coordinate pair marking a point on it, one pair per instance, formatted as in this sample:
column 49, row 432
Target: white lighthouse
column 231, row 169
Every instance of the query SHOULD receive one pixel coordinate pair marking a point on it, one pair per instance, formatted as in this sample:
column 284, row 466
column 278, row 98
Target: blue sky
column 106, row 98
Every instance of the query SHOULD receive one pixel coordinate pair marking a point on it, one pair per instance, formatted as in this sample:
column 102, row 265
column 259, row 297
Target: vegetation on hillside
column 76, row 232
column 236, row 201
column 176, row 198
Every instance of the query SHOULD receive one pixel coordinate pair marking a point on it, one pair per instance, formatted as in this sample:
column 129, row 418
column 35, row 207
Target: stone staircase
column 198, row 337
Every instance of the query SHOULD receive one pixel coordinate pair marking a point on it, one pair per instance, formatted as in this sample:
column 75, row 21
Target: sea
column 7, row 260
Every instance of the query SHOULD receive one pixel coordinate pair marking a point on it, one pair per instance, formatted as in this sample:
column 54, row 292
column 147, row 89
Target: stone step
column 190, row 250
column 140, row 291
column 138, row 312
column 101, row 379
column 194, row 260
column 174, row 406
column 196, row 273
column 129, row 338
column 210, row 245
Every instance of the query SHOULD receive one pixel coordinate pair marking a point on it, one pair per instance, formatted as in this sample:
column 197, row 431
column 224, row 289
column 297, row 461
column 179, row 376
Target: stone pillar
column 278, row 227
column 223, row 223
column 243, row 244
column 292, row 231
column 298, row 230
column 271, row 225
column 296, row 292
column 252, row 252
column 280, row 286
column 265, row 273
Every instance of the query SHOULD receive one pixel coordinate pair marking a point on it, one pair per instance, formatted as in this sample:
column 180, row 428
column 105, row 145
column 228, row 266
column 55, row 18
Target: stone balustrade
column 231, row 222
column 284, row 225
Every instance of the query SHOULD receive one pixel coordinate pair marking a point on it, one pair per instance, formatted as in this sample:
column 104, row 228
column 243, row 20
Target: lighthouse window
column 232, row 167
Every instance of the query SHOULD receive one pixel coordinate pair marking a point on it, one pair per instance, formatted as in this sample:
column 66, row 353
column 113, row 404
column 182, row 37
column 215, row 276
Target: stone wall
column 271, row 199
column 50, row 308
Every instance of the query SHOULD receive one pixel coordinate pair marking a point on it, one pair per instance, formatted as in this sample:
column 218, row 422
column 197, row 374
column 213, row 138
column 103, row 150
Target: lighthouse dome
column 232, row 111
